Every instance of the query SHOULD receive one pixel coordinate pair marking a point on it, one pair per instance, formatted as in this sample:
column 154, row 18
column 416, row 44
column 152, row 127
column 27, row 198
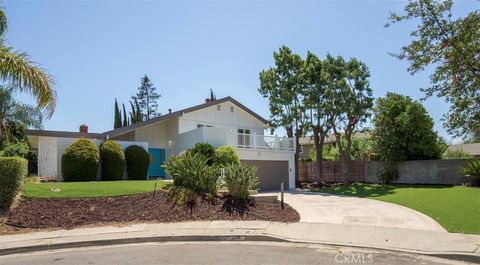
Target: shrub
column 456, row 154
column 20, row 149
column 12, row 171
column 15, row 149
column 192, row 177
column 472, row 169
column 113, row 160
column 239, row 179
column 225, row 156
column 388, row 172
column 205, row 149
column 80, row 161
column 138, row 161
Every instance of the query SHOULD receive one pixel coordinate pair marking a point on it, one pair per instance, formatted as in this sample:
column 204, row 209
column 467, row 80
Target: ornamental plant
column 80, row 161
column 138, row 161
column 113, row 160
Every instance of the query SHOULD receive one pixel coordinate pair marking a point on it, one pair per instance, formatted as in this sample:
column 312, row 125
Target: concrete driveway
column 327, row 208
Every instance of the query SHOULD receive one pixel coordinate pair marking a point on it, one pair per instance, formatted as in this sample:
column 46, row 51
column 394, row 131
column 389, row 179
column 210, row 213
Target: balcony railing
column 262, row 142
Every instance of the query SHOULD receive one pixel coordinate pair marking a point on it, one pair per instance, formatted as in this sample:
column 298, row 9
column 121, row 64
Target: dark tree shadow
column 373, row 190
column 237, row 206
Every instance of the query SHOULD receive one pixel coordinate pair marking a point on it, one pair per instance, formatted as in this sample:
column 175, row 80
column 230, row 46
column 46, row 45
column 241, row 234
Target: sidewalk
column 441, row 244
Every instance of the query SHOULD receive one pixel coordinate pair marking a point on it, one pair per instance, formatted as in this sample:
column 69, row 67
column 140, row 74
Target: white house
column 221, row 122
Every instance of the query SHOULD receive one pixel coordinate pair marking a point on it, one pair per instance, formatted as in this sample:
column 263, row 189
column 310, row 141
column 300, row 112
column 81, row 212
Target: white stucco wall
column 223, row 118
column 160, row 135
column 214, row 136
column 246, row 154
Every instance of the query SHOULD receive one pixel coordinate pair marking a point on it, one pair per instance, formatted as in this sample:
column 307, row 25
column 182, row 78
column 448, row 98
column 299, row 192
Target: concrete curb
column 455, row 246
column 473, row 258
column 133, row 240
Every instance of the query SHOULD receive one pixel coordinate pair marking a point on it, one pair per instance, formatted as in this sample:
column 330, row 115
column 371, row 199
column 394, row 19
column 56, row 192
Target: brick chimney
column 83, row 128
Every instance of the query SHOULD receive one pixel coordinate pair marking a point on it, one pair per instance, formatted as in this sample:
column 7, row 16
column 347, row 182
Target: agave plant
column 472, row 169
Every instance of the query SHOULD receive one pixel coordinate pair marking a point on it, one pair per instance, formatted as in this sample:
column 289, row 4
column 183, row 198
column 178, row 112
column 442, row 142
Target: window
column 218, row 107
column 200, row 125
column 244, row 137
column 231, row 109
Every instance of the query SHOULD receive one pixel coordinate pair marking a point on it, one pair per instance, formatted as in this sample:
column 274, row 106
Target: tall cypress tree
column 212, row 96
column 117, row 123
column 125, row 118
column 135, row 113
column 147, row 97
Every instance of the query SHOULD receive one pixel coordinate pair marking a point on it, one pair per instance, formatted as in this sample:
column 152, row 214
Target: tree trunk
column 346, row 167
column 318, row 139
column 344, row 156
column 297, row 152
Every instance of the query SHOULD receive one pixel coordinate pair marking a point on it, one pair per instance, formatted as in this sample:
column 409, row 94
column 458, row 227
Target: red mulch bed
column 148, row 207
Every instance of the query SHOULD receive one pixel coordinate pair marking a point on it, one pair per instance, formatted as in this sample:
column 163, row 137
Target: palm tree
column 14, row 113
column 17, row 70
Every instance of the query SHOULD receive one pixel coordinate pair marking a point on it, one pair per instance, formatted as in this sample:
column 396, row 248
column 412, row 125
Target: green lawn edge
column 91, row 189
column 456, row 208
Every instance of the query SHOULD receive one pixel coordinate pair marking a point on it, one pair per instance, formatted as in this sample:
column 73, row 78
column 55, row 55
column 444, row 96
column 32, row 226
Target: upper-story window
column 218, row 107
column 244, row 137
column 231, row 109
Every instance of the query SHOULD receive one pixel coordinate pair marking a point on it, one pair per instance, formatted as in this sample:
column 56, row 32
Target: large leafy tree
column 451, row 46
column 147, row 97
column 17, row 70
column 318, row 103
column 14, row 116
column 283, row 86
column 352, row 101
column 403, row 130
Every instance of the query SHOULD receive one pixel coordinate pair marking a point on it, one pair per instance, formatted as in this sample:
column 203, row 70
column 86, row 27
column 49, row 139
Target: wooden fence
column 332, row 171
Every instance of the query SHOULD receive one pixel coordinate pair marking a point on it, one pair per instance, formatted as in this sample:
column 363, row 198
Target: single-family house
column 221, row 122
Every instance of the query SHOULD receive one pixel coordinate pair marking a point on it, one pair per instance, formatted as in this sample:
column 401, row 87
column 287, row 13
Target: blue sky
column 99, row 50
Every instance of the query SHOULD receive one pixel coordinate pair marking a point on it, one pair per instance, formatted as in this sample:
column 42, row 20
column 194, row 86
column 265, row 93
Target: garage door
column 270, row 173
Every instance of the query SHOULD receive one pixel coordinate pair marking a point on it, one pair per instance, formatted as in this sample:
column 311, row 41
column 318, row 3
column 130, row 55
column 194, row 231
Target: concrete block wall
column 443, row 172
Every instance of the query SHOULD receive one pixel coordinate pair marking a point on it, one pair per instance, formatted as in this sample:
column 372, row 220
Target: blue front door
column 157, row 157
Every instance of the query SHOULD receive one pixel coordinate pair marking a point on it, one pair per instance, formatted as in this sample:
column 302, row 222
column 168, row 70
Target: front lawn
column 456, row 208
column 89, row 189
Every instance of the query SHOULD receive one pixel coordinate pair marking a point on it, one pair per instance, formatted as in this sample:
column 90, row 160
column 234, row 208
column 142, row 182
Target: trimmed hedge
column 12, row 171
column 113, row 160
column 138, row 161
column 80, row 161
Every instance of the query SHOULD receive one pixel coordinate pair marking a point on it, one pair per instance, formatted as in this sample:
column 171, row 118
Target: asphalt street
column 217, row 253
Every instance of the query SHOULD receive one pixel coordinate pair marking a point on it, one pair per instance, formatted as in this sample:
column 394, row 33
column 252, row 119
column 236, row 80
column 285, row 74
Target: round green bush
column 205, row 149
column 225, row 156
column 12, row 171
column 113, row 160
column 138, row 161
column 80, row 161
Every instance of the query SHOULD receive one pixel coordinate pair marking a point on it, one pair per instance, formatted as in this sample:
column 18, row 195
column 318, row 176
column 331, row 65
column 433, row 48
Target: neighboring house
column 306, row 143
column 472, row 149
column 221, row 122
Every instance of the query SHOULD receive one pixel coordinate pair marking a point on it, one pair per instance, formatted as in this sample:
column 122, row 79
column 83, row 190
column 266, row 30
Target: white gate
column 47, row 160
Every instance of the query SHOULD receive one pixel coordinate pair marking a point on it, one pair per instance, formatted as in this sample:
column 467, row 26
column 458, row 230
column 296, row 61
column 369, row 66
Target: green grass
column 88, row 189
column 456, row 208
